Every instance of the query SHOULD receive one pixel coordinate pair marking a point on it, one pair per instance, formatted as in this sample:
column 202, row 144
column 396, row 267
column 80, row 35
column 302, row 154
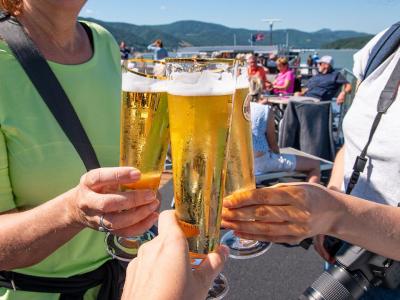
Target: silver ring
column 103, row 227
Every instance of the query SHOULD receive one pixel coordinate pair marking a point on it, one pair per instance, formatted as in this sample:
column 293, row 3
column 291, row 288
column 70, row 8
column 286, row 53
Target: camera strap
column 387, row 97
column 49, row 88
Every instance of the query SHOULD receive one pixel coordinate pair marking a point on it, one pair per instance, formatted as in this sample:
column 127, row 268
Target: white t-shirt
column 380, row 181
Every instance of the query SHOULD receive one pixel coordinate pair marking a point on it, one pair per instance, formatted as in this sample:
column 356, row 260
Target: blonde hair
column 282, row 61
column 13, row 7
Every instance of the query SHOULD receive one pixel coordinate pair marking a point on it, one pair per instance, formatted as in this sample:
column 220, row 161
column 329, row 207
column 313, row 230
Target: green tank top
column 38, row 162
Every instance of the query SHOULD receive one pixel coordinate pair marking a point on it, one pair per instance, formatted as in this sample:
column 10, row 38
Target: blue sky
column 369, row 16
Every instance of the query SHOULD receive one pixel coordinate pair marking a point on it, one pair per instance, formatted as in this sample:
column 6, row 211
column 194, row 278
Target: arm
column 337, row 175
column 302, row 93
column 342, row 95
column 151, row 47
column 30, row 236
column 284, row 86
column 270, row 133
column 291, row 212
column 162, row 268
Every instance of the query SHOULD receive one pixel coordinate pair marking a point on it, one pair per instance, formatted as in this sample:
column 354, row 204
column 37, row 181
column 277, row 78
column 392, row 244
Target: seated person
column 267, row 157
column 284, row 82
column 271, row 63
column 325, row 85
column 255, row 70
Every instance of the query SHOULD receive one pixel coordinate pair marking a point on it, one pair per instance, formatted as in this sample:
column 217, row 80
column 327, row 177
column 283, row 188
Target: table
column 284, row 100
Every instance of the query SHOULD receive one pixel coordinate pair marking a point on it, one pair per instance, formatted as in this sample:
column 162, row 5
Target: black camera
column 355, row 271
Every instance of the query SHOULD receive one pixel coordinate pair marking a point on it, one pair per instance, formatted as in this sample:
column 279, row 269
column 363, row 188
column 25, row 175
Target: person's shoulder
column 290, row 74
column 261, row 69
column 100, row 31
column 361, row 57
column 104, row 41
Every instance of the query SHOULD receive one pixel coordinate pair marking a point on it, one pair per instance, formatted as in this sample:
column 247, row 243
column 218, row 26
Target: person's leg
column 309, row 166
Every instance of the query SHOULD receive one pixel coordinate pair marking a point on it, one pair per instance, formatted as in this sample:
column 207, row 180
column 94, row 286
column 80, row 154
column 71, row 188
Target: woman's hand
column 162, row 268
column 285, row 213
column 127, row 213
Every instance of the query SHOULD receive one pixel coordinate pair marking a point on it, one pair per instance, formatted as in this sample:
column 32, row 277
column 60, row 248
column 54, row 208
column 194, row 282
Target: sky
column 369, row 16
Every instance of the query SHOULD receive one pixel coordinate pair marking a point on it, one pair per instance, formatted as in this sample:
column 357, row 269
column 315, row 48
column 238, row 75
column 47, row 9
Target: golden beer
column 144, row 135
column 240, row 165
column 199, row 133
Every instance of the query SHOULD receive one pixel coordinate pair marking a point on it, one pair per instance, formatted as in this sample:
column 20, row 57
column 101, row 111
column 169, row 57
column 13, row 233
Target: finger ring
column 103, row 227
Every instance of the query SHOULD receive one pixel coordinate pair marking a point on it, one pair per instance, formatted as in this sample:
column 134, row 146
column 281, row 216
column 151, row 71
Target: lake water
column 343, row 58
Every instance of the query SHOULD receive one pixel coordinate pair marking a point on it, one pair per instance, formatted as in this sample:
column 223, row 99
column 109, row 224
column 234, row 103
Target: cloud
column 89, row 11
column 163, row 7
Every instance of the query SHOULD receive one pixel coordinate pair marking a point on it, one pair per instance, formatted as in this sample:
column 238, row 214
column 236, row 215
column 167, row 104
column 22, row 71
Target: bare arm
column 342, row 95
column 373, row 226
column 30, row 236
column 270, row 133
column 284, row 86
column 291, row 212
column 302, row 93
column 336, row 180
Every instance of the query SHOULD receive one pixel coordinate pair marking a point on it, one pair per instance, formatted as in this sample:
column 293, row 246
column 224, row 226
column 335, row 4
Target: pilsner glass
column 200, row 96
column 240, row 167
column 144, row 137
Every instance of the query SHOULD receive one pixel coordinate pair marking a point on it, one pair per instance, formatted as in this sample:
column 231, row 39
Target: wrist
column 338, row 211
column 71, row 212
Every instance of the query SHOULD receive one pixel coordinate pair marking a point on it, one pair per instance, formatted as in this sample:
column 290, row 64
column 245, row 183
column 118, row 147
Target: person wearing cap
column 326, row 84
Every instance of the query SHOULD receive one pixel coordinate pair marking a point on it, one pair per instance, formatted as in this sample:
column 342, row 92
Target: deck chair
column 307, row 126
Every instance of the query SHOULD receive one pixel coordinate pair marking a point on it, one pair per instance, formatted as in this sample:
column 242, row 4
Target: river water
column 343, row 58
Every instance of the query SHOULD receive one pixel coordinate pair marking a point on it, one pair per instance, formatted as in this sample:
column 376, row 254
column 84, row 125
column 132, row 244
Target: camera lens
column 337, row 284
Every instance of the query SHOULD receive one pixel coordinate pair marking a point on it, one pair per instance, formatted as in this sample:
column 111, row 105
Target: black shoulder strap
column 387, row 44
column 49, row 88
column 387, row 97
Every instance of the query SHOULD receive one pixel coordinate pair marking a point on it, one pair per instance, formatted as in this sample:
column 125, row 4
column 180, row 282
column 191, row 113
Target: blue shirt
column 325, row 86
column 259, row 117
column 159, row 53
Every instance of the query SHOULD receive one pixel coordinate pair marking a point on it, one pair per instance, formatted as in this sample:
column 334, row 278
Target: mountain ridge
column 198, row 33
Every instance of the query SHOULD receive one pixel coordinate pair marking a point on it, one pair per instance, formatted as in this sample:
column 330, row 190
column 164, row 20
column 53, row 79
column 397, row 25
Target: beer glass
column 200, row 96
column 240, row 167
column 144, row 137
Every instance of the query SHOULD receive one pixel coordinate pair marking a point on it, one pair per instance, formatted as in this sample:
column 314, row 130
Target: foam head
column 135, row 83
column 242, row 81
column 206, row 83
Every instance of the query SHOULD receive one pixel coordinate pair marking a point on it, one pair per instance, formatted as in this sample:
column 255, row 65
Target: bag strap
column 49, row 88
column 387, row 97
column 387, row 44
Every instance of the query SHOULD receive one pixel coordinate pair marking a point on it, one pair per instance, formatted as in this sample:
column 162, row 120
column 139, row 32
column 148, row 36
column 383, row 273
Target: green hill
column 195, row 33
column 349, row 43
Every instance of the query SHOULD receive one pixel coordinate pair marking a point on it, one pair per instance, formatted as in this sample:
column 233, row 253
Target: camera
column 355, row 271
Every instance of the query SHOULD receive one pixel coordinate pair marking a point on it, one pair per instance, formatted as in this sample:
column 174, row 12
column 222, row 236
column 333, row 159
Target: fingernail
column 134, row 174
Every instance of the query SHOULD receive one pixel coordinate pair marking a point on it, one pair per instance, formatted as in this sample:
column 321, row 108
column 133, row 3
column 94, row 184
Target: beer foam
column 140, row 84
column 242, row 81
column 207, row 84
column 186, row 77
